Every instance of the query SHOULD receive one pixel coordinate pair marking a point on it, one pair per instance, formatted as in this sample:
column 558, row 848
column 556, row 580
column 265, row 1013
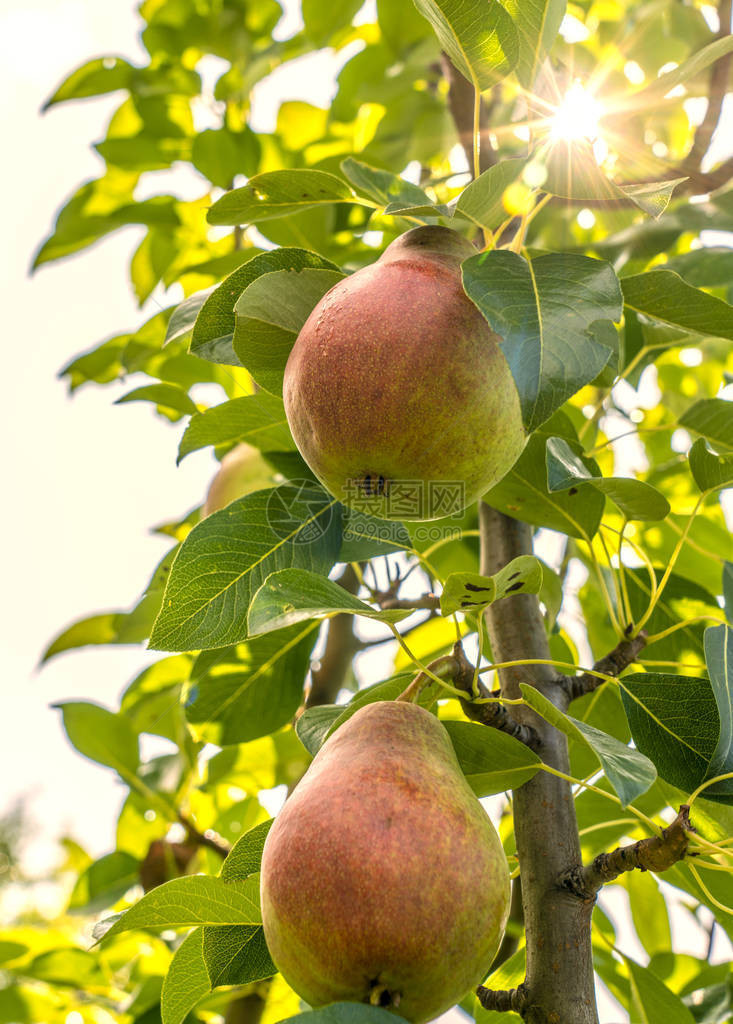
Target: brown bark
column 559, row 986
column 341, row 646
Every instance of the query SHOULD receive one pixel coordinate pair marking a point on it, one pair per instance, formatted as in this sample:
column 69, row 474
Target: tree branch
column 719, row 77
column 341, row 646
column 657, row 853
column 503, row 1000
column 557, row 987
column 613, row 664
column 209, row 838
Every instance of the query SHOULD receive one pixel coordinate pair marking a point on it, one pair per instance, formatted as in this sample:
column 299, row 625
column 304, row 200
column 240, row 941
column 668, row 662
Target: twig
column 623, row 654
column 658, row 853
column 387, row 600
column 495, row 714
column 460, row 102
column 502, row 1000
column 209, row 838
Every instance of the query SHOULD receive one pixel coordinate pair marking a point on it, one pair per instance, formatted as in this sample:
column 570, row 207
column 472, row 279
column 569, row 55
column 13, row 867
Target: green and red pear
column 397, row 391
column 383, row 880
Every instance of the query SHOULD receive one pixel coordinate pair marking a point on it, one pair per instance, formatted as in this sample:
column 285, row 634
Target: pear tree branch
column 503, row 1000
column 658, row 853
column 613, row 664
column 341, row 646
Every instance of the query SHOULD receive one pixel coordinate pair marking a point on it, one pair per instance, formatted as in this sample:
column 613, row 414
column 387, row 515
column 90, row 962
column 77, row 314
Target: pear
column 383, row 880
column 397, row 392
column 242, row 470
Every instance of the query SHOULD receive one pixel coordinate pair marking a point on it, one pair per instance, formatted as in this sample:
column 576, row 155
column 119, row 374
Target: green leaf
column 635, row 498
column 225, row 559
column 213, row 332
column 388, row 189
column 463, row 590
column 189, row 901
column 277, row 194
column 481, row 200
column 184, row 315
column 523, row 492
column 314, row 725
column 167, row 396
column 663, row 295
column 101, row 735
column 713, row 418
column 543, row 311
column 728, row 590
column 321, row 19
column 710, row 469
column 537, row 22
column 220, row 154
column 653, row 1000
column 658, row 89
column 297, row 595
column 481, row 39
column 186, row 980
column 236, row 955
column 708, row 267
column 239, row 694
column 648, row 911
column 343, row 1013
column 491, row 760
column 719, row 661
column 96, row 77
column 269, row 315
column 245, row 856
column 258, row 419
column 368, row 537
column 104, row 882
column 676, row 723
column 629, row 772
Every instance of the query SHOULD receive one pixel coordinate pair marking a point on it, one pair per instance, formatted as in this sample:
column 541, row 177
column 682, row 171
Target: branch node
column 503, row 1000
column 624, row 653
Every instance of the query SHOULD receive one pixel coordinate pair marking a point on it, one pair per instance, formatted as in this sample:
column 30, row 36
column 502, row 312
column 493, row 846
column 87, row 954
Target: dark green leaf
column 184, row 316
column 368, row 537
column 213, row 332
column 713, row 418
column 297, row 595
column 523, row 492
column 719, row 661
column 104, row 882
column 314, row 725
column 388, row 189
column 709, row 469
column 543, row 311
column 270, row 313
column 491, row 761
column 663, row 295
column 653, row 999
column 635, row 498
column 220, row 155
column 629, row 771
column 277, row 194
column 728, row 590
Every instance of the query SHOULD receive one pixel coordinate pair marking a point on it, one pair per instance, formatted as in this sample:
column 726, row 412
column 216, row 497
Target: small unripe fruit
column 397, row 392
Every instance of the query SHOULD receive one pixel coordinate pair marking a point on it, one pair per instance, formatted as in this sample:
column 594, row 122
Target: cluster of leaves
column 244, row 597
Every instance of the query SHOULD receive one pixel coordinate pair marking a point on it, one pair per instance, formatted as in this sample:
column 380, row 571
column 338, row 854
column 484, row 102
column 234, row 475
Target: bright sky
column 87, row 479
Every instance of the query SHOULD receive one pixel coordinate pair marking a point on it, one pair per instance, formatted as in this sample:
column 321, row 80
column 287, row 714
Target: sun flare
column 578, row 115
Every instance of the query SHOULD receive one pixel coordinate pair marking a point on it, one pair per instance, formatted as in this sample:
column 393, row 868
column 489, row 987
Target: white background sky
column 84, row 480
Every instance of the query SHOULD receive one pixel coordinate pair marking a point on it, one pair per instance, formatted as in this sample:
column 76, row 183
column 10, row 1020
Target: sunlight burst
column 578, row 115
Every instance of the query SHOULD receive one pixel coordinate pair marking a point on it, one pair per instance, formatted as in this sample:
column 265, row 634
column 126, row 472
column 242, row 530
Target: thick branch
column 387, row 600
column 558, row 987
column 613, row 664
column 341, row 646
column 655, row 854
column 719, row 77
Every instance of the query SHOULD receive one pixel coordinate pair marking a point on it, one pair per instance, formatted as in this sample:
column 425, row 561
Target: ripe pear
column 397, row 392
column 383, row 880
